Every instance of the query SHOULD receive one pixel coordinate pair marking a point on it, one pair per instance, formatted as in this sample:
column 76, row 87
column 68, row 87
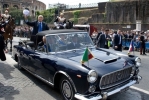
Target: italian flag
column 87, row 56
column 131, row 47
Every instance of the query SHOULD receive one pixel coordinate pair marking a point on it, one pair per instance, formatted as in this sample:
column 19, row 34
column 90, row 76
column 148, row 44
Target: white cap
column 26, row 12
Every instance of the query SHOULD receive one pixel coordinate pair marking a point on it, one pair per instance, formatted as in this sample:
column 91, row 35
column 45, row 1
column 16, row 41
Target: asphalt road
column 21, row 85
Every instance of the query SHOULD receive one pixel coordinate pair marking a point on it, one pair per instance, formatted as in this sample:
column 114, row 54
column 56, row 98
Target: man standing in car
column 38, row 26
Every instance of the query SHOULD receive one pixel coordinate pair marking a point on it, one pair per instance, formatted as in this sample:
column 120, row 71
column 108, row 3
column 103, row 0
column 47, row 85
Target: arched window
column 36, row 8
column 32, row 11
column 15, row 6
column 5, row 6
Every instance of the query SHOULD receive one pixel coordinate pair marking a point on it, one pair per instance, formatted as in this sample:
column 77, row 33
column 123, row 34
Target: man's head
column 106, row 31
column 75, row 38
column 6, row 11
column 61, row 14
column 63, row 36
column 40, row 18
column 102, row 29
column 118, row 31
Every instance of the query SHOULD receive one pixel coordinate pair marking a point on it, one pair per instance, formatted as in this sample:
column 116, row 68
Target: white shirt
column 120, row 39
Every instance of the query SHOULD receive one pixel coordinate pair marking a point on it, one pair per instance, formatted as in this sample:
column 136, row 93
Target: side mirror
column 20, row 43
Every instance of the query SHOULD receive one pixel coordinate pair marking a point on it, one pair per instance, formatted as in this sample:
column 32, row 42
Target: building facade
column 32, row 5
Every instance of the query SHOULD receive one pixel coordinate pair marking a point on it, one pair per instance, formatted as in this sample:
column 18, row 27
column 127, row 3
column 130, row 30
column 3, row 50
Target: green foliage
column 17, row 14
column 47, row 14
column 76, row 15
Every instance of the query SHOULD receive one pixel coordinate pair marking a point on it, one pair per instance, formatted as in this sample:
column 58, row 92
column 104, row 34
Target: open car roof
column 43, row 33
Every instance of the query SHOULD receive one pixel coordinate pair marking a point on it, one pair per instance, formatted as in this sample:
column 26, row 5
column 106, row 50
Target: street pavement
column 21, row 85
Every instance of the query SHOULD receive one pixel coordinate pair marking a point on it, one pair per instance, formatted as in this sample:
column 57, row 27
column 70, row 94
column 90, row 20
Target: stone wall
column 120, row 12
column 115, row 14
column 123, row 27
column 125, row 11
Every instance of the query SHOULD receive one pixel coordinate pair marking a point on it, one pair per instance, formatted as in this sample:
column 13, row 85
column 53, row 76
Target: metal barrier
column 126, row 43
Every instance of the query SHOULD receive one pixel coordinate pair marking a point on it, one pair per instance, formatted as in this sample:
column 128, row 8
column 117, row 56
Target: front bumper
column 103, row 96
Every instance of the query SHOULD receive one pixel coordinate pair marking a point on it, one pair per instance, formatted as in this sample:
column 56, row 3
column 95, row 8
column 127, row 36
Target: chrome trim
column 65, row 74
column 89, row 73
column 111, row 73
column 42, row 79
column 82, row 97
column 110, row 59
column 137, row 58
column 137, row 62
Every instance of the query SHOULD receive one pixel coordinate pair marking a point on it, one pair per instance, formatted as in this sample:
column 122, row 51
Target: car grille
column 115, row 78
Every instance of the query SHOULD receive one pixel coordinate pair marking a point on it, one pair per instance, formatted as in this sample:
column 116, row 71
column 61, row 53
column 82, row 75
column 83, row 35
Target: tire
column 66, row 89
column 19, row 64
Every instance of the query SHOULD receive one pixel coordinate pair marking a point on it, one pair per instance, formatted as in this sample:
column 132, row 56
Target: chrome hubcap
column 66, row 90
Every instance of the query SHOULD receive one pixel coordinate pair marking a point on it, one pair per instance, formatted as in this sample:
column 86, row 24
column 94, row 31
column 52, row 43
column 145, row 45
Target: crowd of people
column 117, row 38
column 23, row 31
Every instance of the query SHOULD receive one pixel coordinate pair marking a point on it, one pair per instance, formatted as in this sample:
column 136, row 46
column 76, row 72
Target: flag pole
column 87, row 58
column 133, row 48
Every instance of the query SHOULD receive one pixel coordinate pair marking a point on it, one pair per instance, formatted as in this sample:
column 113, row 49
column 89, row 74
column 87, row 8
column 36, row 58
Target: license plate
column 125, row 89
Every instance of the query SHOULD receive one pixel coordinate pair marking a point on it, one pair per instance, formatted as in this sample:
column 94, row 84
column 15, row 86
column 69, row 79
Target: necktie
column 40, row 27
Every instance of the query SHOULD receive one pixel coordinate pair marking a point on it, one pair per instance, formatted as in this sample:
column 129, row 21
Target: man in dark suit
column 117, row 41
column 103, row 40
column 142, row 42
column 98, row 35
column 75, row 43
column 2, row 44
column 38, row 26
column 43, row 46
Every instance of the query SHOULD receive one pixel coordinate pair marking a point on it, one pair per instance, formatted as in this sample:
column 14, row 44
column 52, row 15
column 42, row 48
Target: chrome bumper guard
column 102, row 96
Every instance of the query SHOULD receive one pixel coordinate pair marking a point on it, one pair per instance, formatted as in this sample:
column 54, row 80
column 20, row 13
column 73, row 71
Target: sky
column 71, row 2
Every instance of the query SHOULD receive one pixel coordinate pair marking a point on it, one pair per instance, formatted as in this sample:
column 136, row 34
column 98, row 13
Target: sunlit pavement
column 20, row 85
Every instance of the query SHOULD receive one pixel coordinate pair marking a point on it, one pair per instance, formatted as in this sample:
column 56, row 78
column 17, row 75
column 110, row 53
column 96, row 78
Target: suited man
column 117, row 41
column 42, row 45
column 38, row 26
column 3, row 49
column 98, row 35
column 142, row 42
column 103, row 40
column 52, row 45
column 75, row 43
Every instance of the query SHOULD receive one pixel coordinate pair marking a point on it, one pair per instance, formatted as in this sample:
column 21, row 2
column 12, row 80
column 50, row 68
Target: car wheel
column 19, row 64
column 66, row 89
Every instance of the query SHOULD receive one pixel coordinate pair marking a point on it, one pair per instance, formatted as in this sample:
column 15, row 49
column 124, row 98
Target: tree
column 47, row 14
column 17, row 14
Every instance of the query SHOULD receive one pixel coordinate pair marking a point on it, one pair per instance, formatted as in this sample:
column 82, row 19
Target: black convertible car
column 58, row 63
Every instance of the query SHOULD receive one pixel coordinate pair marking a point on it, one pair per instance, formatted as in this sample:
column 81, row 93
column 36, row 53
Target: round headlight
column 92, row 76
column 138, row 62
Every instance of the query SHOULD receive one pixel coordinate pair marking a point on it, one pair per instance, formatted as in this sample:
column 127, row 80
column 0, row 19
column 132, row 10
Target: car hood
column 103, row 61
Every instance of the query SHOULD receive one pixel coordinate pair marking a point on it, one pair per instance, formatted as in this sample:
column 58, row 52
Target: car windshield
column 68, row 41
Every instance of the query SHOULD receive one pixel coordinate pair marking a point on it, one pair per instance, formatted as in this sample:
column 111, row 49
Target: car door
column 22, row 56
column 45, row 66
column 27, row 56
